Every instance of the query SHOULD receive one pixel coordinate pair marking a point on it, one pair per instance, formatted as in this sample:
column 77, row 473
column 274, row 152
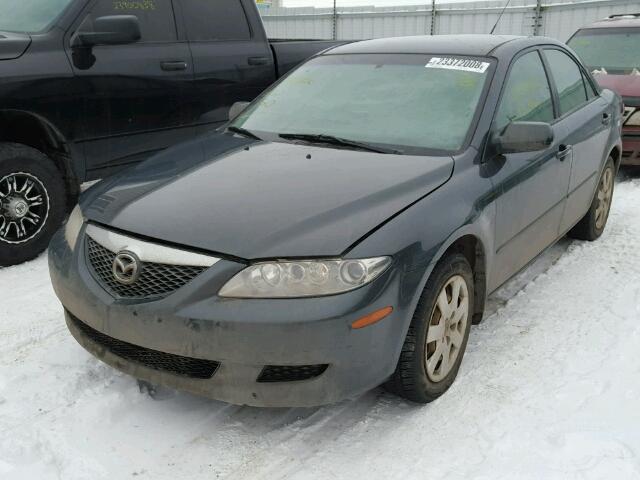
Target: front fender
column 421, row 235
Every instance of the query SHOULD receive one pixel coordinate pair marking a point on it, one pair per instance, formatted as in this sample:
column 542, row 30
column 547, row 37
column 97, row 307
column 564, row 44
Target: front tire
column 438, row 334
column 592, row 225
column 32, row 203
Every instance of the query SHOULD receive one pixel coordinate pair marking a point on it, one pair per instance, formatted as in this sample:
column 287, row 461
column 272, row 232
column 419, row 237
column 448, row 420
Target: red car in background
column 611, row 50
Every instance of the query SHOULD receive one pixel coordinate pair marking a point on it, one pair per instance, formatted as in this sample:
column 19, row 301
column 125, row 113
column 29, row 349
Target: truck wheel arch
column 17, row 126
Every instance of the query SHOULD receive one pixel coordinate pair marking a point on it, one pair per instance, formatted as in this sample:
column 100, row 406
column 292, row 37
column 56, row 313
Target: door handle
column 258, row 60
column 563, row 151
column 173, row 66
column 606, row 118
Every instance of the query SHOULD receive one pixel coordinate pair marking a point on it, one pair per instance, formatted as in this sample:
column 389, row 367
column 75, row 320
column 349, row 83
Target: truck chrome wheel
column 605, row 192
column 24, row 207
column 447, row 327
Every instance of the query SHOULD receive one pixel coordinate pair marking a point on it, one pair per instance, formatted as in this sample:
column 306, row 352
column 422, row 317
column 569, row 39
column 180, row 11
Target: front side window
column 527, row 96
column 30, row 16
column 211, row 20
column 568, row 79
column 157, row 22
column 414, row 101
column 614, row 50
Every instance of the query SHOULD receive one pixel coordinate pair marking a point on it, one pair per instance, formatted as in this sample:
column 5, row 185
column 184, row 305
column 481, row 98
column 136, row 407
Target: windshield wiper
column 341, row 142
column 243, row 131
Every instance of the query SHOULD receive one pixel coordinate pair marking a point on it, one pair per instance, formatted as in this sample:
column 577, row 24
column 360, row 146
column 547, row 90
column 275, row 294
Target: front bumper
column 241, row 336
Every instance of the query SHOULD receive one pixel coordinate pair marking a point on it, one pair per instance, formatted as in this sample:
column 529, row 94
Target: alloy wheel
column 24, row 207
column 605, row 193
column 447, row 327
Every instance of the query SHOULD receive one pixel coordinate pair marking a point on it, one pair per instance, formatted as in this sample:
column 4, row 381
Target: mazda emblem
column 126, row 267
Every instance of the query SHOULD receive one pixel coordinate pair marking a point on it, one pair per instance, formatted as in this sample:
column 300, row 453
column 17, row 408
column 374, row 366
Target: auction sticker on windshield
column 464, row 64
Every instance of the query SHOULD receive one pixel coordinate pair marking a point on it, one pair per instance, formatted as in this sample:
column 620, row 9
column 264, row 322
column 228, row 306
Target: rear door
column 232, row 59
column 586, row 117
column 132, row 94
column 532, row 186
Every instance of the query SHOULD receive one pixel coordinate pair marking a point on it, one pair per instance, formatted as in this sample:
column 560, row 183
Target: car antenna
column 499, row 17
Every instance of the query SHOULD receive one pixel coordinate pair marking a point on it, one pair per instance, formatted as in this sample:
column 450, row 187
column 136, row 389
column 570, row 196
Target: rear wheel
column 437, row 338
column 32, row 202
column 593, row 223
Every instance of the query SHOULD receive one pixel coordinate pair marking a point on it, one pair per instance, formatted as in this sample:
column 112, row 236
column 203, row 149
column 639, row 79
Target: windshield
column 29, row 16
column 614, row 49
column 399, row 101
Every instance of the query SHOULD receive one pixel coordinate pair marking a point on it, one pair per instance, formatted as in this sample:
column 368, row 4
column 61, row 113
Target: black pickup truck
column 88, row 87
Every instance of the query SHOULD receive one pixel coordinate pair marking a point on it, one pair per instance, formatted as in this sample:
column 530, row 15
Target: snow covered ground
column 549, row 388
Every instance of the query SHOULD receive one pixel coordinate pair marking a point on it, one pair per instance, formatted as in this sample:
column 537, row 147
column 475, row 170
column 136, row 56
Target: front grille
column 156, row 280
column 284, row 373
column 167, row 362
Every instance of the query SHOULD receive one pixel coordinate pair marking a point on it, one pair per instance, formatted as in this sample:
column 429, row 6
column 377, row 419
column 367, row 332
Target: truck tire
column 591, row 226
column 438, row 334
column 32, row 202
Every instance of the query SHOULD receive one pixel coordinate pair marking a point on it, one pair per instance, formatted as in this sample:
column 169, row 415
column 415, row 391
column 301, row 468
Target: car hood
column 252, row 199
column 13, row 45
column 623, row 85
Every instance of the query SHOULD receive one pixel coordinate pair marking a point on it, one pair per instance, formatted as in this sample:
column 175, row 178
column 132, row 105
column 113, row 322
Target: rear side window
column 527, row 96
column 211, row 20
column 568, row 79
column 157, row 22
column 590, row 90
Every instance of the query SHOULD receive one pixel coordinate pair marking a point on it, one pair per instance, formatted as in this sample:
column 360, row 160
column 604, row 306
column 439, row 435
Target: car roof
column 471, row 45
column 617, row 21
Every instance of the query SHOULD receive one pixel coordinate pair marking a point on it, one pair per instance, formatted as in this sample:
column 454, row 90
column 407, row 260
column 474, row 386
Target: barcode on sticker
column 464, row 64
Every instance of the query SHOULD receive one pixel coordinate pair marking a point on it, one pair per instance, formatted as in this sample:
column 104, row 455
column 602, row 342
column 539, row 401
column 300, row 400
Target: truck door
column 231, row 55
column 133, row 95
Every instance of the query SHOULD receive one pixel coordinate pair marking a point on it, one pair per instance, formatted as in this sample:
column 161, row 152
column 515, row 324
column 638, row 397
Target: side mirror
column 110, row 30
column 236, row 109
column 519, row 137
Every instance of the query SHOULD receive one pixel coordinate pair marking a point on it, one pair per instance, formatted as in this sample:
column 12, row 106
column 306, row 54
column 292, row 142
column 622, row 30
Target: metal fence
column 553, row 18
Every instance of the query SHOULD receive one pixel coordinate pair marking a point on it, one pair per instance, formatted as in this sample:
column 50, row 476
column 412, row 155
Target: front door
column 132, row 94
column 531, row 186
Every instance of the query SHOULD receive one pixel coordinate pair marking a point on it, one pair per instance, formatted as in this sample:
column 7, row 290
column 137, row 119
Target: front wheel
column 438, row 334
column 32, row 203
column 591, row 226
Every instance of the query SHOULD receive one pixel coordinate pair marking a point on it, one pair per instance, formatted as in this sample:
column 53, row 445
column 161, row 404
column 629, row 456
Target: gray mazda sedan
column 345, row 228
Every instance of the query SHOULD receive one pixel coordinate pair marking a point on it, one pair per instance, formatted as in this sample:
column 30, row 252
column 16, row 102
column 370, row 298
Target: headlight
column 309, row 278
column 73, row 226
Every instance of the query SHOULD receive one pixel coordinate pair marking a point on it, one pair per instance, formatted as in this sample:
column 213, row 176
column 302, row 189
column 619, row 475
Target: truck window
column 30, row 16
column 208, row 20
column 157, row 22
